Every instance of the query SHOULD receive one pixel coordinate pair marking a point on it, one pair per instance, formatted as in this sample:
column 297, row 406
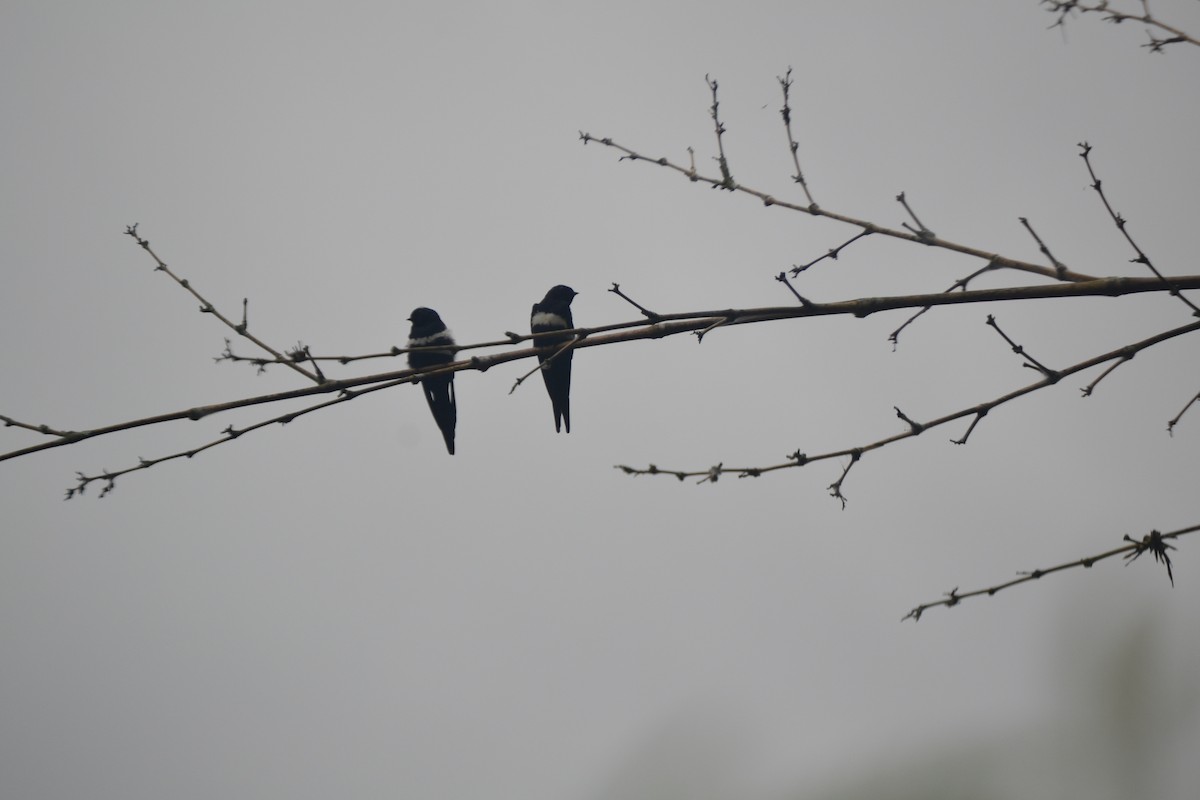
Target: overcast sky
column 337, row 608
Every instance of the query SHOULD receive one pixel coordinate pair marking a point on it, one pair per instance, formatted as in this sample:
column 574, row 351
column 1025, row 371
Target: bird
column 429, row 330
column 554, row 314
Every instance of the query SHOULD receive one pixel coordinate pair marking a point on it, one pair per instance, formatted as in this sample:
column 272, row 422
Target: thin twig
column 722, row 162
column 647, row 313
column 1175, row 420
column 1153, row 542
column 977, row 411
column 922, row 233
column 9, row 422
column 996, row 260
column 306, row 355
column 785, row 83
column 1059, row 267
column 783, row 278
column 1065, row 7
column 542, row 364
column 835, row 488
column 716, row 324
column 959, row 285
column 1030, row 361
column 228, row 435
column 206, row 307
column 1118, row 220
column 834, row 252
column 1091, row 387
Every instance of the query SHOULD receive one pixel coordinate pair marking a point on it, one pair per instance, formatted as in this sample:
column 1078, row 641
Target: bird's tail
column 439, row 393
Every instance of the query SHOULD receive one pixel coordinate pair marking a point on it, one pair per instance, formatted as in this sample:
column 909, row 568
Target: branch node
column 916, row 427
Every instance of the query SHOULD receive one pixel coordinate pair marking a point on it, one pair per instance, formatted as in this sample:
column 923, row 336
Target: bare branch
column 1059, row 267
column 922, row 233
column 960, row 285
column 1065, row 8
column 542, row 365
column 996, row 260
column 228, row 435
column 783, row 278
column 1154, row 542
column 978, row 411
column 688, row 321
column 206, row 307
column 1091, row 387
column 1175, row 420
column 668, row 325
column 722, row 162
column 9, row 422
column 647, row 313
column 835, row 488
column 1030, row 361
column 833, row 253
column 1141, row 258
column 712, row 327
column 785, row 84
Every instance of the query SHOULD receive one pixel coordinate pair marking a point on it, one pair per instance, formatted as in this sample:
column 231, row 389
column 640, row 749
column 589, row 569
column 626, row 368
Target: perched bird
column 429, row 330
column 554, row 314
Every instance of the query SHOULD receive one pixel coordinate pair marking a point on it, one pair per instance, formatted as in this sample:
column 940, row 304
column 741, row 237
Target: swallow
column 428, row 330
column 554, row 314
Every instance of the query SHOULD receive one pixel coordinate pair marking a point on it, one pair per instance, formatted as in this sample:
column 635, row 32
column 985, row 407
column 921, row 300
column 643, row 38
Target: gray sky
column 338, row 608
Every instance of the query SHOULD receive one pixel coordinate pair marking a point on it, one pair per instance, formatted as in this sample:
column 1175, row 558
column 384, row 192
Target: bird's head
column 560, row 294
column 424, row 316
